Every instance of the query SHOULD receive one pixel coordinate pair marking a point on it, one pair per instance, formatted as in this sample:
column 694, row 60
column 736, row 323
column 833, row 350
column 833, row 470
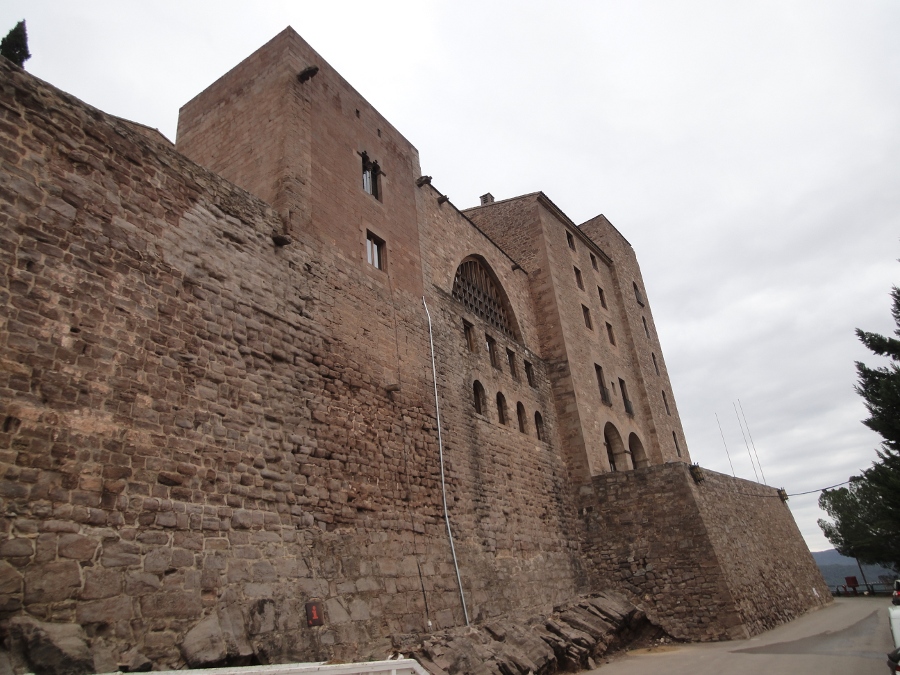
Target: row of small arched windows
column 479, row 398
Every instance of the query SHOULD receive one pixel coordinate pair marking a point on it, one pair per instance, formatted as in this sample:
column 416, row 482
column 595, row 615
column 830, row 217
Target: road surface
column 849, row 637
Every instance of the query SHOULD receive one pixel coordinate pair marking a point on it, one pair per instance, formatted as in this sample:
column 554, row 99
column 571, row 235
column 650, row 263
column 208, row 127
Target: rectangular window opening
column 637, row 294
column 587, row 317
column 675, row 440
column 666, row 403
column 601, row 383
column 492, row 350
column 511, row 358
column 655, row 364
column 571, row 240
column 646, row 329
column 375, row 250
column 371, row 177
column 594, row 261
column 627, row 401
column 529, row 374
column 610, row 334
column 469, row 331
column 602, row 297
column 578, row 279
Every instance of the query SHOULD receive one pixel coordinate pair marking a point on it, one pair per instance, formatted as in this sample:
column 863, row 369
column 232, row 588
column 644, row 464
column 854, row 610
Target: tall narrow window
column 491, row 344
column 646, row 330
column 593, row 261
column 587, row 317
column 371, row 173
column 627, row 401
column 375, row 250
column 666, row 403
column 529, row 374
column 675, row 440
column 655, row 365
column 478, row 398
column 571, row 240
column 601, row 383
column 610, row 334
column 522, row 417
column 637, row 294
column 602, row 297
column 539, row 426
column 501, row 409
column 578, row 278
column 511, row 359
column 469, row 331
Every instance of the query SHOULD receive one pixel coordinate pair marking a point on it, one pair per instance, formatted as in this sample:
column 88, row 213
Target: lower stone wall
column 719, row 559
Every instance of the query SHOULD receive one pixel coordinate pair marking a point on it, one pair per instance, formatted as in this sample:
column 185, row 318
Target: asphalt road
column 849, row 637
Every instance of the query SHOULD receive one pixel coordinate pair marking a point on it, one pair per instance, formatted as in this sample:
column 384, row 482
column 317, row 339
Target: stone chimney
column 487, row 198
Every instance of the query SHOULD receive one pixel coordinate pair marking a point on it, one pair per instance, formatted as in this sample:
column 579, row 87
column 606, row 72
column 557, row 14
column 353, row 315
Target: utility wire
column 745, row 441
column 725, row 444
column 809, row 492
column 746, row 424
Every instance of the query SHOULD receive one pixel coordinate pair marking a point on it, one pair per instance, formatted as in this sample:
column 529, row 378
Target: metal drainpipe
column 437, row 410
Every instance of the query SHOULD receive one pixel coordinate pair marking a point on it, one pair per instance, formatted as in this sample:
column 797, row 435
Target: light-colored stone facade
column 216, row 409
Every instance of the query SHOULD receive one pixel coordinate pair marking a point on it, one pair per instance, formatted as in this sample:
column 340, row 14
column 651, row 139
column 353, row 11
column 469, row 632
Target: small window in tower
column 587, row 317
column 469, row 331
column 675, row 440
column 604, row 392
column 602, row 297
column 571, row 240
column 522, row 417
column 511, row 359
column 655, row 364
column 666, row 403
column 629, row 408
column 610, row 334
column 594, row 261
column 501, row 409
column 375, row 250
column 478, row 398
column 371, row 177
column 529, row 374
column 637, row 294
column 578, row 279
column 646, row 329
column 491, row 344
column 539, row 426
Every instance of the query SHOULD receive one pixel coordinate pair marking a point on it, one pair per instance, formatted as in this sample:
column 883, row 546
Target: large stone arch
column 477, row 288
column 616, row 453
column 638, row 454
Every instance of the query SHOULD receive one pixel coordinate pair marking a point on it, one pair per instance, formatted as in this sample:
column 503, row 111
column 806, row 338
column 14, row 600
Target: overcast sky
column 749, row 151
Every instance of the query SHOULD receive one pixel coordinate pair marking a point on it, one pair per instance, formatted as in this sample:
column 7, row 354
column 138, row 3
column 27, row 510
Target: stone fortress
column 222, row 366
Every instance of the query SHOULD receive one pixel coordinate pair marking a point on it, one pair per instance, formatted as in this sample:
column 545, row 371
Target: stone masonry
column 217, row 401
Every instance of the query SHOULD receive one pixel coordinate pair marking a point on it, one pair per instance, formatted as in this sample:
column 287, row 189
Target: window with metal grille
column 476, row 290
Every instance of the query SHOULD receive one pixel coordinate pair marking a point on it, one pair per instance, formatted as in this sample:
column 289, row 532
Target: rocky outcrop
column 570, row 639
column 50, row 648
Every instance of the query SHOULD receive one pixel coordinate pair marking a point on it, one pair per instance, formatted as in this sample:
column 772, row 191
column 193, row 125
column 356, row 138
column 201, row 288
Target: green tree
column 866, row 514
column 15, row 45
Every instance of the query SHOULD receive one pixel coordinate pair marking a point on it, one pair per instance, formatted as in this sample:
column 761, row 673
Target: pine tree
column 15, row 45
column 867, row 513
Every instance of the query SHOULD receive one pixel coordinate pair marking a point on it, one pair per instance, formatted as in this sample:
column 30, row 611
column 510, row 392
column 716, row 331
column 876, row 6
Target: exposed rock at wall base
column 50, row 648
column 570, row 639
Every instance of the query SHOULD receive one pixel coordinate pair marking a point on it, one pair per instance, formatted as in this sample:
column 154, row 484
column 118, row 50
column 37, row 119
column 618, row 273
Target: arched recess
column 502, row 416
column 522, row 417
column 638, row 454
column 478, row 289
column 618, row 456
column 539, row 426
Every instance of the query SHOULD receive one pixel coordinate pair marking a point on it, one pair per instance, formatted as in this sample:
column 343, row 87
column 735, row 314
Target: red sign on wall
column 314, row 614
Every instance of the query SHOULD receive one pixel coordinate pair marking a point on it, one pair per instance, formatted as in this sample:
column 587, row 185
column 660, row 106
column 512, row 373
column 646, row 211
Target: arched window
column 479, row 399
column 523, row 419
column 539, row 426
column 501, row 409
column 475, row 287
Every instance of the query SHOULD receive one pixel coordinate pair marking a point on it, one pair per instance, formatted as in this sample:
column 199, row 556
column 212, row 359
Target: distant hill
column 835, row 567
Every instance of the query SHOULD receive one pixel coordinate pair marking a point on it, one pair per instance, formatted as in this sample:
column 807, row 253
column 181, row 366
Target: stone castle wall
column 712, row 558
